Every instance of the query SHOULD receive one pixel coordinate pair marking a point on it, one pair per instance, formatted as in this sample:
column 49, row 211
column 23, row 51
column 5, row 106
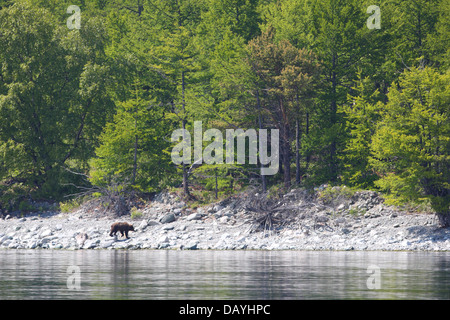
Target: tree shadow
column 433, row 233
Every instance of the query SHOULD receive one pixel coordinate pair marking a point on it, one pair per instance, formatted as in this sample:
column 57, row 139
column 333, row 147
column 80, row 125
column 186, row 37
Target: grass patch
column 70, row 205
column 336, row 194
column 136, row 214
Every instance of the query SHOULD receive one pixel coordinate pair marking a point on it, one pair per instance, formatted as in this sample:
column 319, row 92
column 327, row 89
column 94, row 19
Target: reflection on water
column 148, row 274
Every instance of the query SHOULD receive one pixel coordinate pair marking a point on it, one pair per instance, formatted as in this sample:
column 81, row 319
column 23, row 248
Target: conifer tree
column 285, row 76
column 362, row 114
column 410, row 149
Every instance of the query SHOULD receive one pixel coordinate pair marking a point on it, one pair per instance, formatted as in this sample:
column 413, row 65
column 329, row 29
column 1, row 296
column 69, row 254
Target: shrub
column 136, row 214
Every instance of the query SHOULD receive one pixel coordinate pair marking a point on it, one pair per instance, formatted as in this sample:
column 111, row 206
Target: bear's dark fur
column 123, row 227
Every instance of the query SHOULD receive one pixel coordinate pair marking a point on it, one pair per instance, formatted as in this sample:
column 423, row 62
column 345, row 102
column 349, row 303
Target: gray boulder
column 194, row 216
column 191, row 245
column 168, row 218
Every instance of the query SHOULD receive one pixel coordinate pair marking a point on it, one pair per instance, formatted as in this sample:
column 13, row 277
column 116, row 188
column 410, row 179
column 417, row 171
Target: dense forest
column 90, row 95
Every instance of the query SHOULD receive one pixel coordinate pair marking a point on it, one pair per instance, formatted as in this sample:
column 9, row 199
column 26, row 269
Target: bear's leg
column 126, row 234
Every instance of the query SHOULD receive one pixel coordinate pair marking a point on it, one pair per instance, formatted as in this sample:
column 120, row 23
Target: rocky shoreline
column 298, row 221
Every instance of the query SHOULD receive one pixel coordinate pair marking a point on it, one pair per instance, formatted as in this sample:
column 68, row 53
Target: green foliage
column 136, row 214
column 25, row 206
column 239, row 16
column 411, row 144
column 53, row 100
column 356, row 212
column 335, row 31
column 70, row 205
column 415, row 23
column 102, row 101
column 335, row 194
column 275, row 192
column 362, row 113
column 130, row 149
column 285, row 77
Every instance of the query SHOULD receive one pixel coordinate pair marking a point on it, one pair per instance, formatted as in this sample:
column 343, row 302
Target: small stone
column 151, row 223
column 164, row 245
column 322, row 219
column 224, row 219
column 107, row 243
column 163, row 239
column 340, row 220
column 46, row 233
column 227, row 213
column 33, row 245
column 13, row 245
column 194, row 216
column 168, row 218
column 55, row 246
column 142, row 225
column 191, row 245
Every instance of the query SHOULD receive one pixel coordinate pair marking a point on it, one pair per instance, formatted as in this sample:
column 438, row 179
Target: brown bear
column 123, row 227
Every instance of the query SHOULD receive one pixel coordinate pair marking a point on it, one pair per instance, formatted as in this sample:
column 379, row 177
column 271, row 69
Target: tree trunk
column 263, row 177
column 333, row 120
column 308, row 157
column 133, row 178
column 444, row 219
column 140, row 8
column 287, row 165
column 285, row 153
column 215, row 174
column 297, row 151
column 285, row 146
column 185, row 173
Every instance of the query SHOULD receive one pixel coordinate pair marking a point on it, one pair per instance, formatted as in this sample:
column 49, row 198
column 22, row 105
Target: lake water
column 153, row 274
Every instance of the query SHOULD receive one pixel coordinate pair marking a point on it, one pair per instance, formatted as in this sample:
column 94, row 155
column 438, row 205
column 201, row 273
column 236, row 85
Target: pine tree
column 413, row 24
column 362, row 114
column 285, row 76
column 336, row 32
column 241, row 17
column 131, row 150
